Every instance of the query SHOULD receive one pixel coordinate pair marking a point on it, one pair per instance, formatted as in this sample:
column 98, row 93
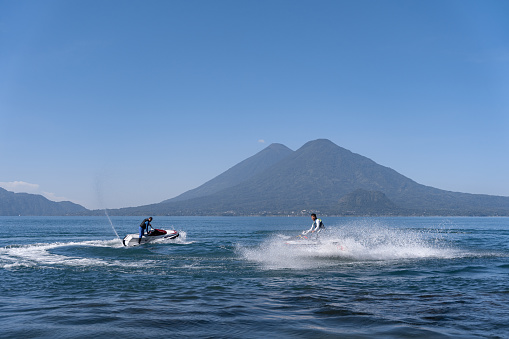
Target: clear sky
column 123, row 103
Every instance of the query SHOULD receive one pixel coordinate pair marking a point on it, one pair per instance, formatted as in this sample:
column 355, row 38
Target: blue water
column 232, row 277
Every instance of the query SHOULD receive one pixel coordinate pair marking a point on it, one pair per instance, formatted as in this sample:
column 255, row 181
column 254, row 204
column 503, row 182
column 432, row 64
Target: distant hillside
column 361, row 202
column 32, row 204
column 323, row 177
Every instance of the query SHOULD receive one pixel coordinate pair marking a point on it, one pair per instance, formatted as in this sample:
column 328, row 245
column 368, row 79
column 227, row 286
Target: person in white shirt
column 316, row 227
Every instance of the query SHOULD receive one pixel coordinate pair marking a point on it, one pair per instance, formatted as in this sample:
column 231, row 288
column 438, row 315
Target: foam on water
column 350, row 243
column 40, row 254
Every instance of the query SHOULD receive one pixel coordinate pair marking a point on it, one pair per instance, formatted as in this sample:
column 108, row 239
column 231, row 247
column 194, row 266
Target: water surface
column 234, row 277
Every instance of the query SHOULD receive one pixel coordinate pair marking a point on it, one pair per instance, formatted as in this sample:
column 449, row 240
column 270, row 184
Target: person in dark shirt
column 144, row 226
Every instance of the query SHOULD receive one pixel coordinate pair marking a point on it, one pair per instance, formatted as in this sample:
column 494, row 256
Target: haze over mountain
column 320, row 176
column 33, row 204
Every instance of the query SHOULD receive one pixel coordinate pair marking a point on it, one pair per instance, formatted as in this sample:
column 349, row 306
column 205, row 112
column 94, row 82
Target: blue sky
column 123, row 103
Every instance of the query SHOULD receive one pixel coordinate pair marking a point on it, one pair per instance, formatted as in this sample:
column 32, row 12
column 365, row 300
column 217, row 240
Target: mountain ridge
column 320, row 176
column 14, row 204
column 316, row 177
column 238, row 173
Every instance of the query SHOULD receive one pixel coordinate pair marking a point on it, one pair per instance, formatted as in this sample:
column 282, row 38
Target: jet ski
column 132, row 239
column 302, row 240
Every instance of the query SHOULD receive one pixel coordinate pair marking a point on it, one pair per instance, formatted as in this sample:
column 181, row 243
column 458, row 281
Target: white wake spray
column 40, row 254
column 356, row 242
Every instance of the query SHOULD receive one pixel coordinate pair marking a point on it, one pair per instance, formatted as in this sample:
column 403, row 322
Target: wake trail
column 40, row 254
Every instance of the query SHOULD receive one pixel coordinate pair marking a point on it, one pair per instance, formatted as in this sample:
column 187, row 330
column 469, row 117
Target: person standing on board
column 316, row 227
column 144, row 225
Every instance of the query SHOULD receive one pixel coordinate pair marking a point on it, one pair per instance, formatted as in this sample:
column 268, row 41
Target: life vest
column 144, row 223
column 320, row 224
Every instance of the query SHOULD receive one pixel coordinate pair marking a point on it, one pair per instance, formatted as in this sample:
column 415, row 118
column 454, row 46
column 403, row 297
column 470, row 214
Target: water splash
column 98, row 190
column 355, row 242
column 111, row 223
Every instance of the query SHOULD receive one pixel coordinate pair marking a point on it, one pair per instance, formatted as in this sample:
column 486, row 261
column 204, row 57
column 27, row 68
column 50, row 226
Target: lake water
column 233, row 277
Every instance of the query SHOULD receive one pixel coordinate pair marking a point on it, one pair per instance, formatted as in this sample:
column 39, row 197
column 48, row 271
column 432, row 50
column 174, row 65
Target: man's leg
column 141, row 235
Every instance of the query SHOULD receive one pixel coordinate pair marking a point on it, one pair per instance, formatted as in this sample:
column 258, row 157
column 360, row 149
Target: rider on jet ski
column 144, row 225
column 317, row 226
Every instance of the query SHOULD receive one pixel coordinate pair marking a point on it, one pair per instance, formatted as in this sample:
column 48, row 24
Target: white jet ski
column 303, row 240
column 132, row 239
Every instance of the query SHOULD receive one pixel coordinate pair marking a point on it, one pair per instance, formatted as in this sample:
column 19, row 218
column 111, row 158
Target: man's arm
column 309, row 230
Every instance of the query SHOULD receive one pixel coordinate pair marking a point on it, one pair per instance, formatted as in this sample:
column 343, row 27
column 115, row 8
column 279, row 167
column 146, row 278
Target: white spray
column 113, row 227
column 98, row 190
column 355, row 242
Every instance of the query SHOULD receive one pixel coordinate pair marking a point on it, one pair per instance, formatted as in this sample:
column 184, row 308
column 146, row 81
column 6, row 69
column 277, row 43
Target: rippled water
column 238, row 278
